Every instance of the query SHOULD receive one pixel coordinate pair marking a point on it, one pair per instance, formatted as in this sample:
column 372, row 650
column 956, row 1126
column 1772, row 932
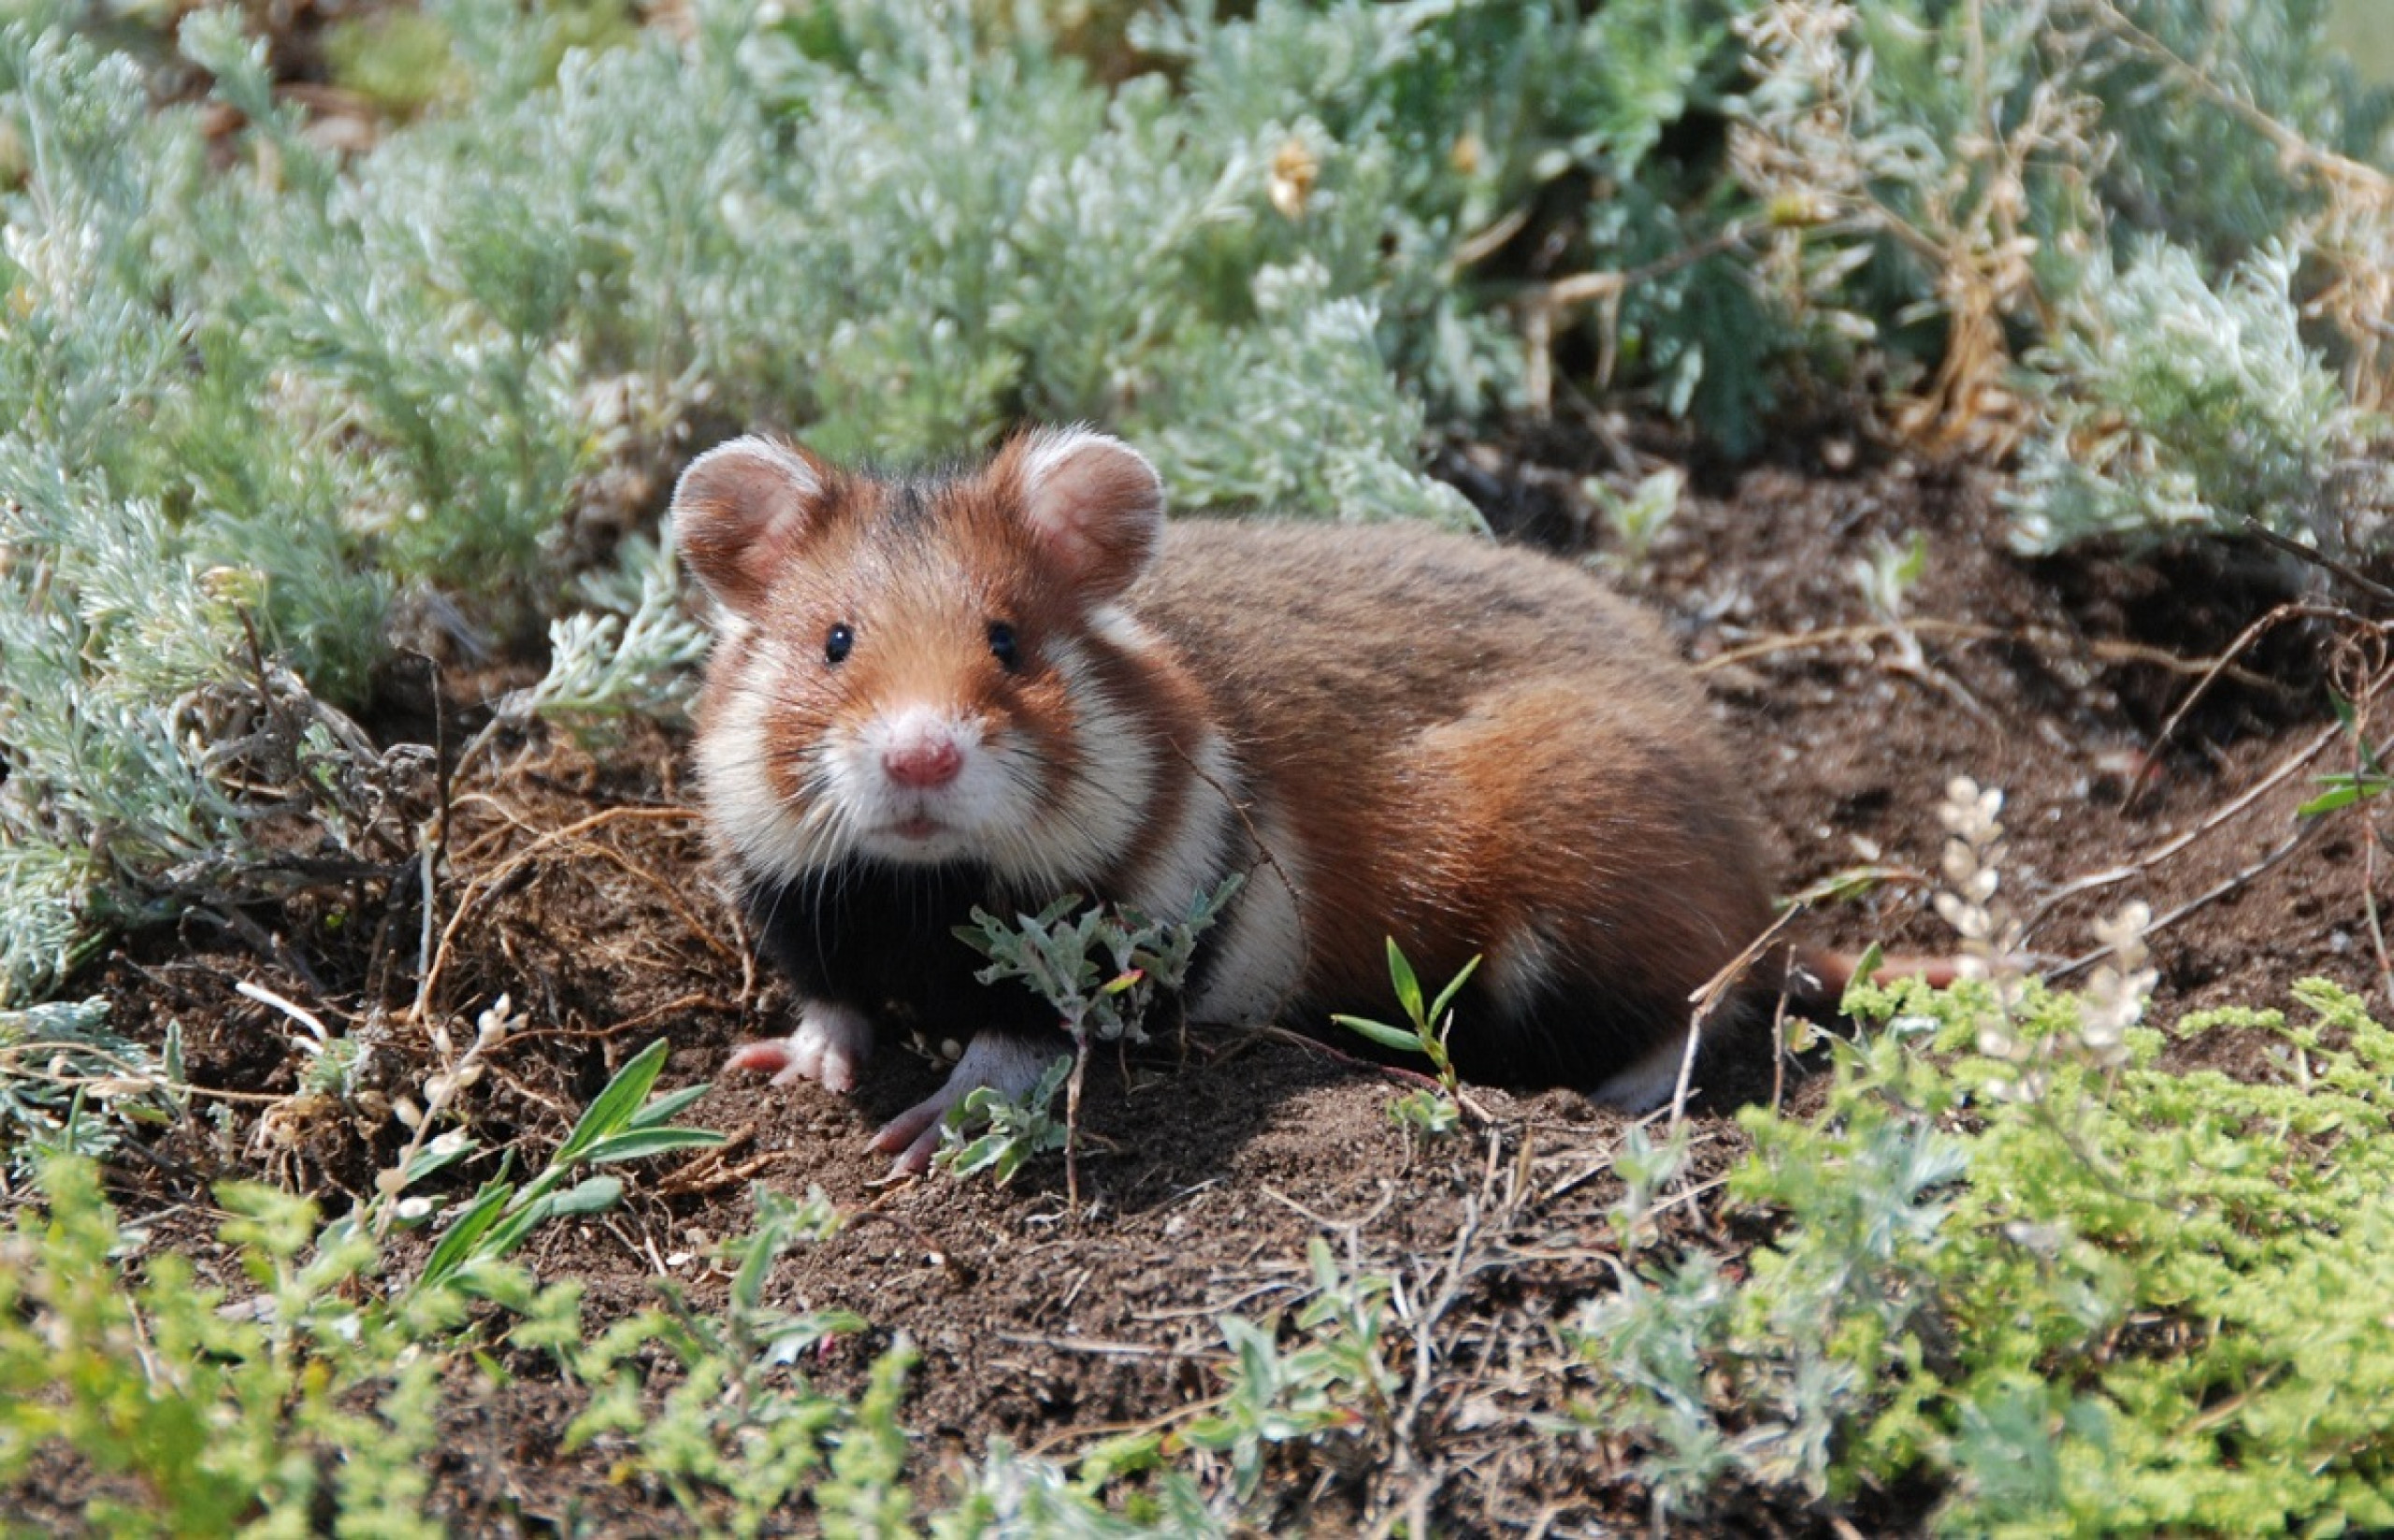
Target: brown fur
column 1468, row 739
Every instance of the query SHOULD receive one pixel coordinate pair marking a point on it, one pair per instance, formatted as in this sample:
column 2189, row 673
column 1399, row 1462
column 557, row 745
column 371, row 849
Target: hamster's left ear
column 1092, row 502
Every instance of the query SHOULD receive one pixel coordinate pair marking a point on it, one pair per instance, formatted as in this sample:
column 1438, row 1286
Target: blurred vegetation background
column 2365, row 31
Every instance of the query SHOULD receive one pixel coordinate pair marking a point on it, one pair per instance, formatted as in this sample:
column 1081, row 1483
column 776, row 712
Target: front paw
column 1008, row 1064
column 829, row 1047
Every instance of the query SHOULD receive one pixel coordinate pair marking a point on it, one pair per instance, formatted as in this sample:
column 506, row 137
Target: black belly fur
column 882, row 939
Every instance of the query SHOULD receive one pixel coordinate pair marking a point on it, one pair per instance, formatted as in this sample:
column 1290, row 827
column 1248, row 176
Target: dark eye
column 1002, row 646
column 837, row 646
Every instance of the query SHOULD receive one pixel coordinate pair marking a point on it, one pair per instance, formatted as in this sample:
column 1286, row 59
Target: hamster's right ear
column 740, row 510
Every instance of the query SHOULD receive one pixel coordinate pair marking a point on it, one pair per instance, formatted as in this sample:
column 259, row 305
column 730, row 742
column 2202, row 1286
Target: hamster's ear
column 740, row 510
column 1093, row 503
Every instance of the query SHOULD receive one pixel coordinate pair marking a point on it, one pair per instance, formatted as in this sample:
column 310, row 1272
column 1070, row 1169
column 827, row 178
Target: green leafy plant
column 1335, row 1382
column 1647, row 1169
column 315, row 1395
column 741, row 1434
column 309, row 1393
column 1012, row 1132
column 1951, row 1304
column 1101, row 968
column 2340, row 789
column 1425, row 1112
column 621, row 1123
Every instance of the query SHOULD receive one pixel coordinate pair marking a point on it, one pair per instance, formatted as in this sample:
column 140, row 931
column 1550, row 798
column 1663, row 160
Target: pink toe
column 909, row 1129
column 770, row 1056
column 916, row 1157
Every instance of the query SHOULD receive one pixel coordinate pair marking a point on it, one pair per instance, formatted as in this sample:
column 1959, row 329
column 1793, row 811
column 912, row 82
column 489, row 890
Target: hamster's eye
column 1002, row 646
column 837, row 646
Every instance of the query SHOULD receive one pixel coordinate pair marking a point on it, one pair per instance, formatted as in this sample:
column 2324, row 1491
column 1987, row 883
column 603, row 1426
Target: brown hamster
column 1003, row 684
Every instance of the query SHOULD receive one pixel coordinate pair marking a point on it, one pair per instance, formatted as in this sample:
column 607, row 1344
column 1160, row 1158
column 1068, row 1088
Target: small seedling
column 1423, row 1110
column 2344, row 789
column 1646, row 1171
column 621, row 1124
column 1425, row 1114
column 1889, row 573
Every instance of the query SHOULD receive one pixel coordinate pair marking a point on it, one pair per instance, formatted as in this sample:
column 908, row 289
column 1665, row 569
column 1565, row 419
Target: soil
column 581, row 887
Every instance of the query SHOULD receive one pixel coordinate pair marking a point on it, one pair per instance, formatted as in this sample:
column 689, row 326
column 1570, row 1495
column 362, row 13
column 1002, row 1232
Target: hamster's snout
column 920, row 748
column 924, row 762
column 922, row 785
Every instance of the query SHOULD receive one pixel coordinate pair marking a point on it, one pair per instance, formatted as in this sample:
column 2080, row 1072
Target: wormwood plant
column 1011, row 1131
column 633, row 651
column 1336, row 1381
column 2070, row 1290
column 1016, row 1495
column 2015, row 172
column 70, row 1085
column 1316, row 1381
column 2177, row 406
column 1101, row 968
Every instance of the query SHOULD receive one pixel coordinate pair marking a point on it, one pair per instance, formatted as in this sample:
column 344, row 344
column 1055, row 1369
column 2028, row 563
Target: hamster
column 1001, row 684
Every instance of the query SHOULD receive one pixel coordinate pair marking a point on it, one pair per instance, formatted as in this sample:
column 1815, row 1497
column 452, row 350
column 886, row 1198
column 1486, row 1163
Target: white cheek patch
column 1118, row 627
column 772, row 835
column 1263, row 957
column 1096, row 816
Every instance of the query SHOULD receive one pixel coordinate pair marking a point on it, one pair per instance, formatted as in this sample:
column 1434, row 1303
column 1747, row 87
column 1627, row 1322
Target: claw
column 914, row 1135
column 829, row 1047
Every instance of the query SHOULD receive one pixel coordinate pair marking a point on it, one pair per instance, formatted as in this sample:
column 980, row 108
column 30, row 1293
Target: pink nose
column 924, row 763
